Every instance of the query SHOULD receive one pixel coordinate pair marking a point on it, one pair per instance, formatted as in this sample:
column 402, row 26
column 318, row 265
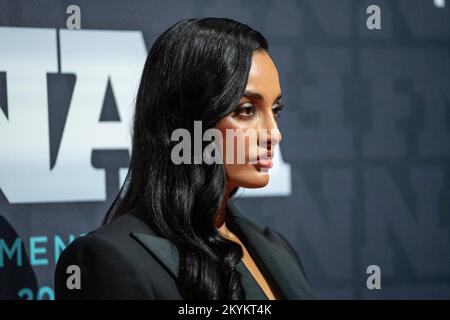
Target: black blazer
column 125, row 259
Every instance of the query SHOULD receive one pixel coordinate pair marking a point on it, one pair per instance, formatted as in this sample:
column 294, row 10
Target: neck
column 221, row 212
column 220, row 215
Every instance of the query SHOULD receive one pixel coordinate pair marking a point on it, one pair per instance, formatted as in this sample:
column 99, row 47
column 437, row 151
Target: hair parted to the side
column 196, row 70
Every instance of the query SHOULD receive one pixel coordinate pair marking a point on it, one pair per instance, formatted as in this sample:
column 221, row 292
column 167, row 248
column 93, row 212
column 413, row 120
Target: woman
column 172, row 233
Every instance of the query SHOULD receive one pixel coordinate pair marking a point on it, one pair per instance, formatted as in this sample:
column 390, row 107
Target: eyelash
column 240, row 109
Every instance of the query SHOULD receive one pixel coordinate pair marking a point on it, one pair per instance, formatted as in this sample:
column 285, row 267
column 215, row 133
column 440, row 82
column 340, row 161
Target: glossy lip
column 265, row 161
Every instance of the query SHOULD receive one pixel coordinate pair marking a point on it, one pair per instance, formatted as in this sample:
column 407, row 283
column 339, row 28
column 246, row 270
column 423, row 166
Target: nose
column 270, row 135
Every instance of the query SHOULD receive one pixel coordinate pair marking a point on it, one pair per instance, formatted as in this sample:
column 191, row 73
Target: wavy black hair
column 196, row 70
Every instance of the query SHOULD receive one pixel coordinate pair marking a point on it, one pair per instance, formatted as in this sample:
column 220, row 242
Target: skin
column 253, row 113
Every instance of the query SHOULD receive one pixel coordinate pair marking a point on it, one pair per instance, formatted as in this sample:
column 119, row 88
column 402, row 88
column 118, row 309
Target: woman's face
column 255, row 122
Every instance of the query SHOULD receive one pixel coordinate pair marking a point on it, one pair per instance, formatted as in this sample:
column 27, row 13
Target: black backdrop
column 366, row 134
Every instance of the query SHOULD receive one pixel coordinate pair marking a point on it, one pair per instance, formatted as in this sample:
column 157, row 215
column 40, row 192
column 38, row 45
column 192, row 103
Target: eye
column 245, row 110
column 277, row 109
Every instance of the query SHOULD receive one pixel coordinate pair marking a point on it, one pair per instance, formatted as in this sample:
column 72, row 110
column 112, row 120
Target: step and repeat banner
column 362, row 182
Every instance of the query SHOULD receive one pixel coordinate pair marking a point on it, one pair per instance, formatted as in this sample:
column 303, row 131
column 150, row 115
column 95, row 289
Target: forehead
column 263, row 75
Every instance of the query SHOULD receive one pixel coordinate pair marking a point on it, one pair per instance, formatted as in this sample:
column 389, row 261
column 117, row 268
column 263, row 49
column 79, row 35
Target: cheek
column 241, row 146
column 241, row 174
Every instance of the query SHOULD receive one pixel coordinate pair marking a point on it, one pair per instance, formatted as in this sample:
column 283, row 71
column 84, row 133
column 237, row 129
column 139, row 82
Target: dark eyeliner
column 241, row 108
column 278, row 109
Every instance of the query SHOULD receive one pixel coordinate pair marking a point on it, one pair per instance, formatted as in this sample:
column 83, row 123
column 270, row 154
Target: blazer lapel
column 276, row 262
column 162, row 249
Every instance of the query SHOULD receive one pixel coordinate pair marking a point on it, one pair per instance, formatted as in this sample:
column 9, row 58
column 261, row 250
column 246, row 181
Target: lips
column 265, row 161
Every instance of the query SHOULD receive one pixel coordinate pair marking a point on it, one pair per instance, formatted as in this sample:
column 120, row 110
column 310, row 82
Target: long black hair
column 196, row 70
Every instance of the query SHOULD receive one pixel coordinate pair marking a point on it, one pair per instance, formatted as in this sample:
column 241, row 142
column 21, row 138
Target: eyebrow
column 255, row 95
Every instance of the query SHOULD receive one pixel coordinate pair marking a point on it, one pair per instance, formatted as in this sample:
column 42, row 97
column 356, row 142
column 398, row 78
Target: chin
column 259, row 184
column 253, row 179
